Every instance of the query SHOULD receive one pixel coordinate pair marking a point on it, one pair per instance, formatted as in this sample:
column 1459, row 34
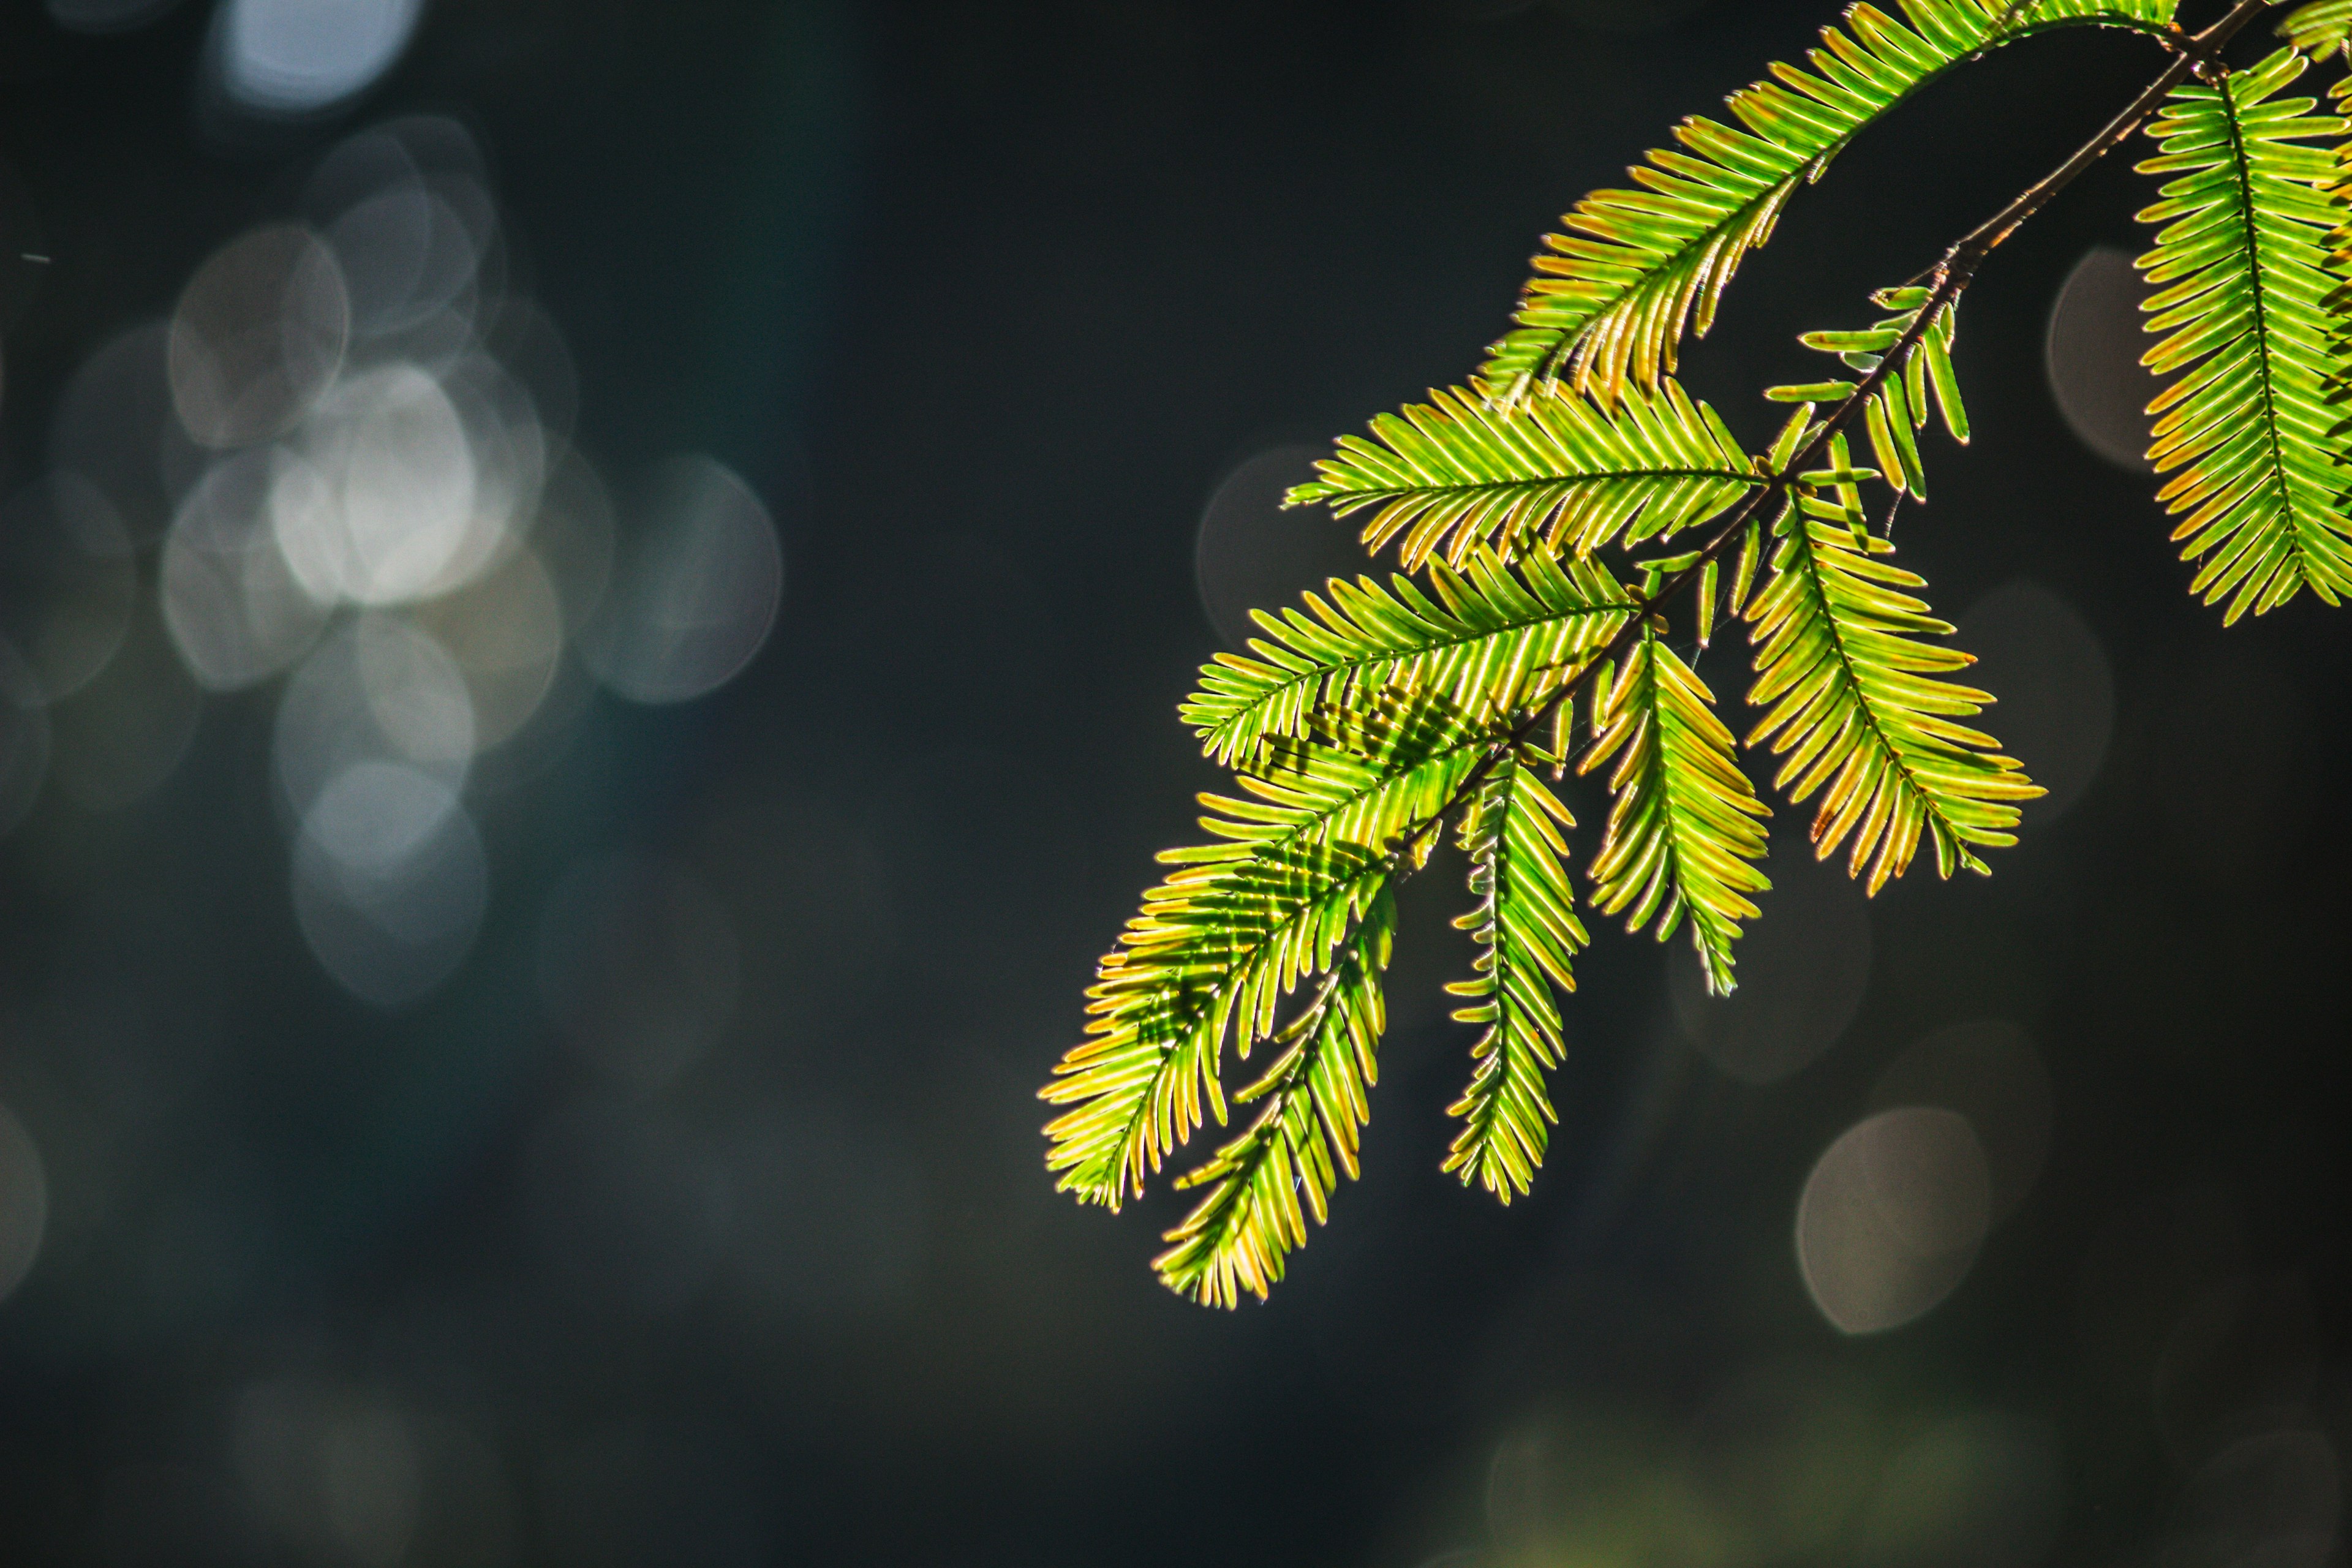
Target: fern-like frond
column 1897, row 410
column 1528, row 933
column 1317, row 1098
column 1476, row 647
column 1150, row 1069
column 1554, row 470
column 2241, row 274
column 1685, row 827
column 1856, row 709
column 1325, row 827
column 1633, row 270
column 2316, row 28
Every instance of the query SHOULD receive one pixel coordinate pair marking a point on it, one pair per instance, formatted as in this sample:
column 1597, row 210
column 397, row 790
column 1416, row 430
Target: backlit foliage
column 1684, row 827
column 2244, row 281
column 1852, row 706
column 1524, row 925
column 2318, row 28
column 1631, row 271
column 1553, row 472
column 1536, row 635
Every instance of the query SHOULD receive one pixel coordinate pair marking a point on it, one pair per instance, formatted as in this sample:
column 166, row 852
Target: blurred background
column 592, row 598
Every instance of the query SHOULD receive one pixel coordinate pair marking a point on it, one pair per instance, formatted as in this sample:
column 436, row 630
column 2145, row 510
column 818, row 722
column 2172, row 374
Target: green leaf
column 1897, row 410
column 1552, row 471
column 1528, row 933
column 2315, row 28
column 1743, row 574
column 1810, row 392
column 1686, row 825
column 1856, row 711
column 2242, row 279
column 1937, row 350
column 1633, row 270
column 1488, row 632
column 1327, row 824
column 1286, row 1166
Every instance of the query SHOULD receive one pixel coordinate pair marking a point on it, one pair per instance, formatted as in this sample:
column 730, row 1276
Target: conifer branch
column 1363, row 723
column 1633, row 270
column 1948, row 279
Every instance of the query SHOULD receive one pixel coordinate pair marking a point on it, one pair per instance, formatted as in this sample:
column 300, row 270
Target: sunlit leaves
column 1527, row 930
column 1143, row 1081
column 1322, row 828
column 1899, row 402
column 1853, row 706
column 1685, row 827
column 1373, row 715
column 1314, row 1101
column 1478, row 645
column 2315, row 28
column 1555, row 472
column 1633, row 270
column 2241, row 282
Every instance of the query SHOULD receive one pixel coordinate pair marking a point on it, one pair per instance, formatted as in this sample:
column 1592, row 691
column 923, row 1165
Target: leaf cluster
column 1534, row 632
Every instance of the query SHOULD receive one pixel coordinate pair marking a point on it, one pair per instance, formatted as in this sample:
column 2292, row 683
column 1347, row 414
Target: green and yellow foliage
column 1528, row 637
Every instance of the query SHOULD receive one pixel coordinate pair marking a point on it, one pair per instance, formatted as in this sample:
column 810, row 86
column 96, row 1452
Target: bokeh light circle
column 694, row 591
column 236, row 610
column 378, row 690
column 1891, row 1217
column 1252, row 555
column 505, row 630
column 257, row 337
column 525, row 339
column 390, row 881
column 575, row 538
column 392, row 502
column 296, row 57
column 408, row 254
column 510, row 458
column 2093, row 351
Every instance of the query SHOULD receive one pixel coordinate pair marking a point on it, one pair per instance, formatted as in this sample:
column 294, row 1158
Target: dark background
column 986, row 301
